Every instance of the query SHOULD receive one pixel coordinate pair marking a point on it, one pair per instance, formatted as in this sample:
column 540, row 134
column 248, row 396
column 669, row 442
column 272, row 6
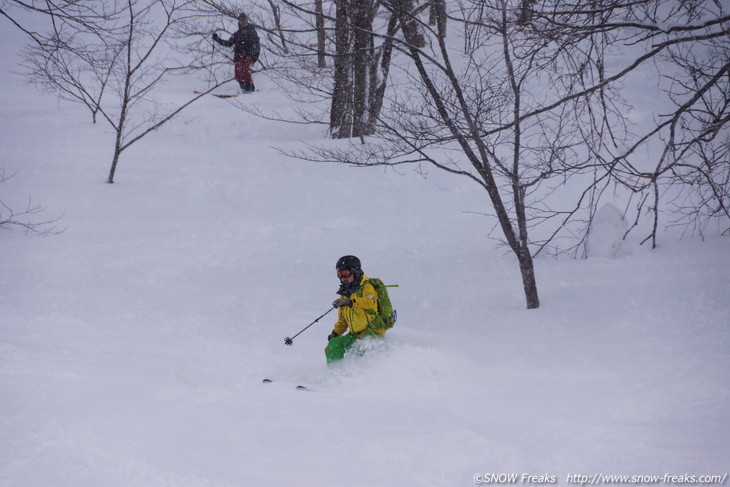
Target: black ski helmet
column 348, row 262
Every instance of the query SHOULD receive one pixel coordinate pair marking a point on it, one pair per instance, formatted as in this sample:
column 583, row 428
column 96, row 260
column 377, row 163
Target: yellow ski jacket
column 363, row 311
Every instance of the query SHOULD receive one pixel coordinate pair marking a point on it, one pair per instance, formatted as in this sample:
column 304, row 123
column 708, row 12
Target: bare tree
column 465, row 115
column 358, row 35
column 354, row 58
column 76, row 36
column 679, row 48
column 81, row 15
column 533, row 114
column 690, row 173
column 361, row 70
column 117, row 64
column 28, row 218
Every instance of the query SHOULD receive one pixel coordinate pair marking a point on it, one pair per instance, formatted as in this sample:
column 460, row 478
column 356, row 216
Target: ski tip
column 298, row 388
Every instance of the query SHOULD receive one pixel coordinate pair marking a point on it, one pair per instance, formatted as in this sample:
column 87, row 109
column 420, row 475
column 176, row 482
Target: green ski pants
column 337, row 347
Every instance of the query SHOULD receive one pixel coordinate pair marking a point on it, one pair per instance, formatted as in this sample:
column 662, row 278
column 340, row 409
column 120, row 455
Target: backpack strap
column 374, row 319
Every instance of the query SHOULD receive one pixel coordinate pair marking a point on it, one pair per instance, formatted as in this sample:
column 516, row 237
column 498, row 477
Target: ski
column 218, row 95
column 298, row 388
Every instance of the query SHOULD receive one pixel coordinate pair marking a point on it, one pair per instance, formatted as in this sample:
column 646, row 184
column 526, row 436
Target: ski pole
column 290, row 340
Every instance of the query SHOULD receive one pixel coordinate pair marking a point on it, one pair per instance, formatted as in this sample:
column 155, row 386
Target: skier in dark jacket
column 246, row 47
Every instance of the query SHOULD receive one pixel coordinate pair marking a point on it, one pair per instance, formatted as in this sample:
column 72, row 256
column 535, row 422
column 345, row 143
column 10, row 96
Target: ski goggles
column 344, row 274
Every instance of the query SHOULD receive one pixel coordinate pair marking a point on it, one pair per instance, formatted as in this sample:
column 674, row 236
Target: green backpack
column 386, row 314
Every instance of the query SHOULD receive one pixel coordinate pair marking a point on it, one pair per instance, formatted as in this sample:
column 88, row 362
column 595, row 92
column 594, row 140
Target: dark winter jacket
column 245, row 42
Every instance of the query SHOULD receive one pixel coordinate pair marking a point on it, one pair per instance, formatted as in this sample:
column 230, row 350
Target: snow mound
column 607, row 232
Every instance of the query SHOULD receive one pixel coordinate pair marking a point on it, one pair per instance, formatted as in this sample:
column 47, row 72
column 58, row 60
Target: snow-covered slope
column 133, row 344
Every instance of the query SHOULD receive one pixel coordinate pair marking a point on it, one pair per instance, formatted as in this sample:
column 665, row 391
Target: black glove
column 332, row 335
column 340, row 302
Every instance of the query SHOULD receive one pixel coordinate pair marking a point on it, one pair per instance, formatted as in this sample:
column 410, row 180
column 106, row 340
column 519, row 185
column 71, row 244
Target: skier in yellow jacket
column 357, row 309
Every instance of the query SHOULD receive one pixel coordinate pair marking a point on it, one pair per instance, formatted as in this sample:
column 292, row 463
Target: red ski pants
column 243, row 69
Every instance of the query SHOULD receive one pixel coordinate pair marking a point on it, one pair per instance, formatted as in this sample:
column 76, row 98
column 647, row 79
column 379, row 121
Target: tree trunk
column 517, row 241
column 362, row 59
column 115, row 161
column 118, row 142
column 351, row 114
column 379, row 70
column 277, row 21
column 411, row 29
column 341, row 110
column 319, row 22
column 529, row 283
column 437, row 16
